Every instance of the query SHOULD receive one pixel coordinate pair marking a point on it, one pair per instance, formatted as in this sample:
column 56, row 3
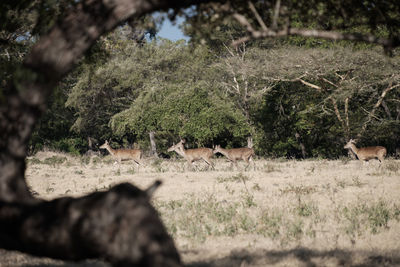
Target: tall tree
column 178, row 95
column 340, row 90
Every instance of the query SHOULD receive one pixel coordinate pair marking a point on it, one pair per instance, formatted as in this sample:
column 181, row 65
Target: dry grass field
column 277, row 213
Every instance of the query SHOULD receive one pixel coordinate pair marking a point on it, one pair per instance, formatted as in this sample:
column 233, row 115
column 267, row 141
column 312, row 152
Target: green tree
column 172, row 93
column 353, row 94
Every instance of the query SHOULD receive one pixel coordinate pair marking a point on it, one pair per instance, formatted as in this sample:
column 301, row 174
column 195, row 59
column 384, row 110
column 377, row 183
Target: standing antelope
column 234, row 154
column 194, row 154
column 367, row 153
column 123, row 154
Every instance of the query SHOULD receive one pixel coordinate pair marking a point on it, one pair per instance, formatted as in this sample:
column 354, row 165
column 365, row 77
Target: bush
column 75, row 146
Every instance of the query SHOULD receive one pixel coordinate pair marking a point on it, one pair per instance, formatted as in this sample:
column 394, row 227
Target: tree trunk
column 153, row 144
column 250, row 142
column 302, row 146
column 90, row 143
column 62, row 227
column 387, row 110
column 351, row 154
column 100, row 225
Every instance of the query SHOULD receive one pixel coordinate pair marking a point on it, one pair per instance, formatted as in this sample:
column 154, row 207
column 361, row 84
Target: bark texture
column 153, row 144
column 119, row 225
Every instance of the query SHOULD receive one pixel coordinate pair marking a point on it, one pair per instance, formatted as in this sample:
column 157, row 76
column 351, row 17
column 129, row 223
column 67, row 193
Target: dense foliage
column 295, row 97
column 292, row 101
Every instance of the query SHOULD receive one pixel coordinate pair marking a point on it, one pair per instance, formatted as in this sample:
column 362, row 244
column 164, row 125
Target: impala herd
column 191, row 155
column 233, row 155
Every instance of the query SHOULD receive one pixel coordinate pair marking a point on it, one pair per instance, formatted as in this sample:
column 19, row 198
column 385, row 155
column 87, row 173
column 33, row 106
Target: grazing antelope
column 194, row 154
column 367, row 153
column 123, row 154
column 234, row 154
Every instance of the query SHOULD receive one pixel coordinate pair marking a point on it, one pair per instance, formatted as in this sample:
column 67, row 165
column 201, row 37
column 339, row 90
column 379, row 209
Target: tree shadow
column 302, row 257
column 19, row 259
column 243, row 257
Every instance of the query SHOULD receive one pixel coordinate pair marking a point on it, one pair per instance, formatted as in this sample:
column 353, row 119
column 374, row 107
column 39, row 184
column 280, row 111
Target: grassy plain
column 277, row 212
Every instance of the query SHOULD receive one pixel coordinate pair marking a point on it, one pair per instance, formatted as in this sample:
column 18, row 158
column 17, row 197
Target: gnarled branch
column 387, row 43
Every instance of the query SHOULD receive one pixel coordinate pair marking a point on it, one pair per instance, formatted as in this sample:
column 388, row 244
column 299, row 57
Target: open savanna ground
column 277, row 212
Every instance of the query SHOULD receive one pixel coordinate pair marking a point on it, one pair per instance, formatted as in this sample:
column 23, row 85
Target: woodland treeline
column 294, row 98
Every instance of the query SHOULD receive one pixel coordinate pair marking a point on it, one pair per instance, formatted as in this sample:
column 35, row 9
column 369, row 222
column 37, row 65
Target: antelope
column 194, row 154
column 123, row 154
column 367, row 153
column 234, row 154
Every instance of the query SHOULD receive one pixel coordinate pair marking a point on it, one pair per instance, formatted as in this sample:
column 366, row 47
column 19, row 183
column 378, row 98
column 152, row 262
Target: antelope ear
column 150, row 191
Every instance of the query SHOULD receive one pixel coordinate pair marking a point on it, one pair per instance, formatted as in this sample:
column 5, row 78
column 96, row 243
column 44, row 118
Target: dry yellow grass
column 279, row 213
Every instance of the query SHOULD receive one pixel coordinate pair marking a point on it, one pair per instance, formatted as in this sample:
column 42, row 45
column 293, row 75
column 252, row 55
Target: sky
column 172, row 32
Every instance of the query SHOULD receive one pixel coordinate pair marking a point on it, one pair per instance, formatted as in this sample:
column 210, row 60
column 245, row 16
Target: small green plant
column 312, row 169
column 54, row 160
column 240, row 177
column 392, row 166
column 304, row 209
column 49, row 190
column 310, row 232
column 378, row 216
column 353, row 221
column 85, row 160
column 256, row 187
column 174, row 204
column 96, row 160
column 340, row 183
column 33, row 161
column 396, row 212
column 269, row 167
column 229, row 189
column 156, row 164
column 222, row 179
column 248, row 200
column 108, row 160
column 374, row 216
column 69, row 164
column 131, row 170
column 298, row 190
column 345, row 160
column 271, row 222
column 294, row 230
column 357, row 182
column 247, row 224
